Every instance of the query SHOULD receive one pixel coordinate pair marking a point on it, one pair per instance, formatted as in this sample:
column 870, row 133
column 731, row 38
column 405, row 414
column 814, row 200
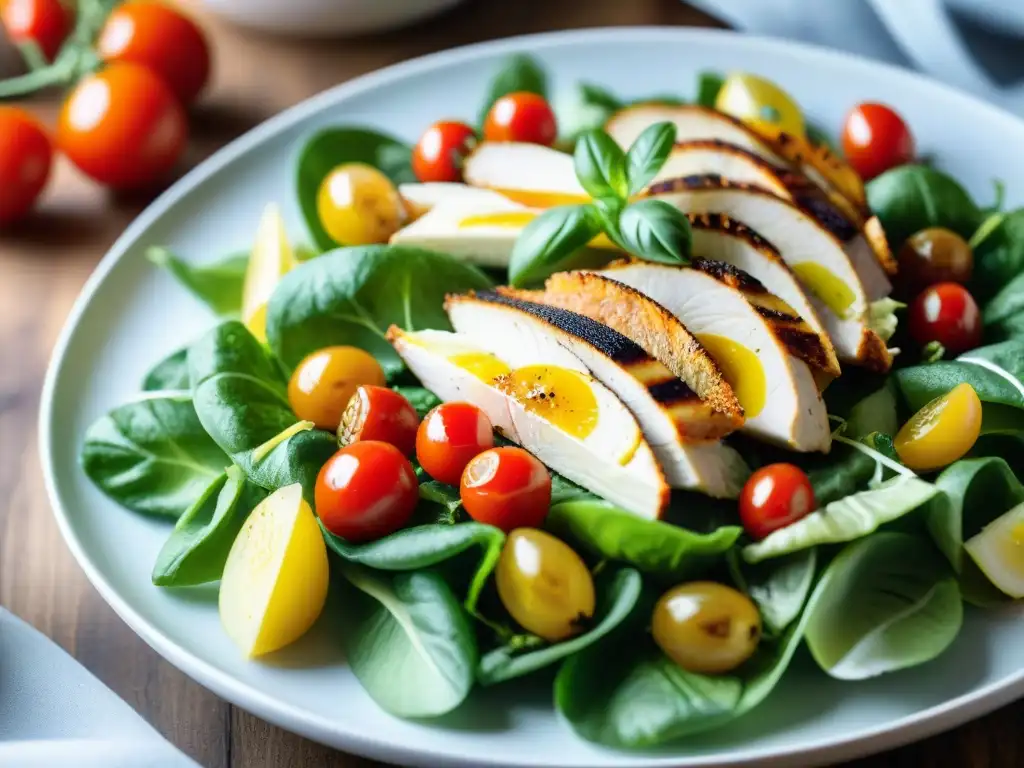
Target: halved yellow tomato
column 761, row 104
column 942, row 431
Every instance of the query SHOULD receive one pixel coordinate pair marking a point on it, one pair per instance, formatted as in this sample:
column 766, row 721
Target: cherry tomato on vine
column 521, row 116
column 365, row 491
column 451, row 435
column 122, row 126
column 379, row 413
column 507, row 488
column 439, row 153
column 875, row 139
column 25, row 157
column 948, row 314
column 158, row 37
column 44, row 22
column 774, row 497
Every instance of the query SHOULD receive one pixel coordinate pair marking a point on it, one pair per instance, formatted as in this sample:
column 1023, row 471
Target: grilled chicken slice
column 678, row 425
column 565, row 417
column 531, row 174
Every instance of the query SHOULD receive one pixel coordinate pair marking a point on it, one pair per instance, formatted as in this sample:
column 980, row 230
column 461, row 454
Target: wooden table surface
column 43, row 264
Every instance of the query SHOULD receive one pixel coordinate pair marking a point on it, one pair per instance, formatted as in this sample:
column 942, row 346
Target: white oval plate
column 130, row 314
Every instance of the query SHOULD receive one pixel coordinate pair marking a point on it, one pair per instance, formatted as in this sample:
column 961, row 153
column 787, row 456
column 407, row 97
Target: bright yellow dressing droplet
column 483, row 365
column 511, row 219
column 741, row 369
column 559, row 395
column 942, row 431
column 826, row 286
column 536, row 199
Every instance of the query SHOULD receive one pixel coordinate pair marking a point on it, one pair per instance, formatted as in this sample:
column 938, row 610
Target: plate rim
column 920, row 725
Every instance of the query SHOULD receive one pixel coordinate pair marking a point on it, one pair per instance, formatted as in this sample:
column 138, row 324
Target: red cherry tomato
column 158, row 37
column 379, row 413
column 439, row 153
column 365, row 491
column 521, row 116
column 774, row 497
column 25, row 156
column 122, row 126
column 45, row 22
column 506, row 487
column 451, row 435
column 948, row 314
column 876, row 139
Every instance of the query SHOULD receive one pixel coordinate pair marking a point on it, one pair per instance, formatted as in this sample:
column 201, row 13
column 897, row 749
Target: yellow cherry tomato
column 941, row 432
column 761, row 104
column 706, row 627
column 324, row 382
column 358, row 205
column 544, row 585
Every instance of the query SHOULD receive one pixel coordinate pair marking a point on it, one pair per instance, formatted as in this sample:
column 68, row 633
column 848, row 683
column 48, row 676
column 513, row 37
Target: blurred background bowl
column 326, row 18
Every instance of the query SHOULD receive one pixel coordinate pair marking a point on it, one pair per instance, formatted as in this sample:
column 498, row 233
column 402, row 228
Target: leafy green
column 424, row 546
column 999, row 257
column 655, row 231
column 549, row 240
column 601, row 167
column 1006, row 304
column 407, row 640
column 618, row 591
column 656, row 548
column 518, row 73
column 886, row 603
column 647, row 154
column 875, row 413
column 778, row 587
column 583, row 108
column 422, row 399
column 352, row 295
column 218, row 284
column 241, row 399
column 846, row 519
column 152, row 455
column 331, row 147
column 921, row 384
column 198, row 547
column 169, row 373
column 708, row 86
column 912, row 197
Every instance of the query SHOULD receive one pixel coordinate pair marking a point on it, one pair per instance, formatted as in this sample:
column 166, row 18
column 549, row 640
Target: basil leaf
column 656, row 231
column 218, row 284
column 647, row 154
column 352, row 295
column 331, row 147
column 169, row 373
column 518, row 73
column 601, row 167
column 198, row 547
column 407, row 640
column 910, row 198
column 152, row 455
column 886, row 603
column 708, row 86
column 618, row 591
column 549, row 240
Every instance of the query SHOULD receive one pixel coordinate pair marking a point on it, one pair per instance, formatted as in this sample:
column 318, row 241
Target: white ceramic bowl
column 326, row 18
column 130, row 314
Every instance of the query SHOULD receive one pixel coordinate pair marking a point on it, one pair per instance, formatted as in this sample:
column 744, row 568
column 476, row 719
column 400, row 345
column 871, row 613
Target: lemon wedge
column 271, row 258
column 999, row 551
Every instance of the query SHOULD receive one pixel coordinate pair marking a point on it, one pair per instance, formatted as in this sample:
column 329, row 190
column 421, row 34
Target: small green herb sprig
column 649, row 229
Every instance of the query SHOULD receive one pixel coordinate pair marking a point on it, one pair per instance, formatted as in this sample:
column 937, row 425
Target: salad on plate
column 641, row 394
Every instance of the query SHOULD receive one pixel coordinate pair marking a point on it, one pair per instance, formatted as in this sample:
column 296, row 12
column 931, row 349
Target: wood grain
column 43, row 264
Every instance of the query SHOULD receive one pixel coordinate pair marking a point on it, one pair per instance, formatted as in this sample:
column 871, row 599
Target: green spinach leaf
column 407, row 640
column 547, row 242
column 422, row 399
column 518, row 73
column 778, row 587
column 198, row 547
column 999, row 258
column 169, row 373
column 581, row 109
column 708, row 86
column 601, row 167
column 618, row 592
column 847, row 519
column 218, row 284
column 1006, row 305
column 424, row 546
column 656, row 231
column 656, row 548
column 352, row 295
column 152, row 455
column 331, row 147
column 885, row 603
column 921, row 384
column 912, row 197
column 647, row 154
